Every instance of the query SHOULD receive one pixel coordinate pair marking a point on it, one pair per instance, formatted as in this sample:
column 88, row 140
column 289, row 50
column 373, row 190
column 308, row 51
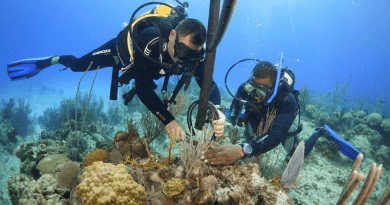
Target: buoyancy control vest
column 162, row 17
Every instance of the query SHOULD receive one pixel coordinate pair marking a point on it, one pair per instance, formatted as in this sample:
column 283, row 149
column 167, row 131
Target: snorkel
column 277, row 81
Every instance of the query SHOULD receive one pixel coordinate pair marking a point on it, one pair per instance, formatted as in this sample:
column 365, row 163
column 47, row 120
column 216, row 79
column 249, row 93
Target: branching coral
column 150, row 163
column 190, row 154
column 355, row 179
column 169, row 159
column 304, row 95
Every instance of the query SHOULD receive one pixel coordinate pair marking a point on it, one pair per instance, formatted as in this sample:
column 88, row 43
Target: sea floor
column 321, row 178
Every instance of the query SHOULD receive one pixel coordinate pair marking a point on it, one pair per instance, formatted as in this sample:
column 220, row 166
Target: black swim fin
column 27, row 68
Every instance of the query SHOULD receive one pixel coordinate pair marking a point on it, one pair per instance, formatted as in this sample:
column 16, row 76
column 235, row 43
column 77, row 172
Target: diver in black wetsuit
column 255, row 92
column 189, row 35
column 166, row 46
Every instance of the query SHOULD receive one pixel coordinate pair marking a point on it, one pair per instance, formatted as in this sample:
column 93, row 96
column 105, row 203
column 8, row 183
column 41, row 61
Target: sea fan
column 293, row 168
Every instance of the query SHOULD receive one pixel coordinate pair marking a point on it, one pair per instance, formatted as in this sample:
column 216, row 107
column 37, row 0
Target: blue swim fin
column 27, row 68
column 345, row 147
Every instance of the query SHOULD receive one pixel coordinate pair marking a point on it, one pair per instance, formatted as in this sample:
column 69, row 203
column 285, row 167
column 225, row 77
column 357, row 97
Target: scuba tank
column 163, row 17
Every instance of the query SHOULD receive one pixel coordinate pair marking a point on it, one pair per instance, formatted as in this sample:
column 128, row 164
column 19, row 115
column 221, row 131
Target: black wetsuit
column 285, row 105
column 143, row 71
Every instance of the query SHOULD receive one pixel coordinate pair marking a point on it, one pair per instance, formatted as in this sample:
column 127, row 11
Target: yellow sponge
column 105, row 183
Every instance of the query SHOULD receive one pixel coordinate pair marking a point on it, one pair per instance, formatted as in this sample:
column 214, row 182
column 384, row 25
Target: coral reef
column 49, row 164
column 304, row 97
column 167, row 183
column 327, row 148
column 164, row 180
column 357, row 127
column 104, row 183
column 355, row 178
column 99, row 155
column 374, row 119
column 30, row 153
column 312, row 111
column 153, row 127
column 129, row 143
column 16, row 186
column 67, row 177
column 54, row 117
column 150, row 163
column 9, row 139
column 386, row 127
column 174, row 186
column 24, row 191
column 382, row 156
column 19, row 115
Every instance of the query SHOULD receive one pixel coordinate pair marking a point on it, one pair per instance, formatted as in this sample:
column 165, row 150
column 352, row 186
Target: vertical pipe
column 226, row 15
column 209, row 64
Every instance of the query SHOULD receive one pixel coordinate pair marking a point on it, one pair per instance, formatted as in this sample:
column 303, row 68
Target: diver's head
column 262, row 81
column 186, row 41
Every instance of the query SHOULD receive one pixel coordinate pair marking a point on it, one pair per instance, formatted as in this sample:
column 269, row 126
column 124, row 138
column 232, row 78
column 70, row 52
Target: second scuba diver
column 254, row 95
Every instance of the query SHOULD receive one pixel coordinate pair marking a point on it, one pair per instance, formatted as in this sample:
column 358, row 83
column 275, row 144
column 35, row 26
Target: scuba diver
column 156, row 44
column 268, row 118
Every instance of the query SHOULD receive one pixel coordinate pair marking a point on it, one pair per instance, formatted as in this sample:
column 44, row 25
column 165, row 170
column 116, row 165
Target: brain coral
column 99, row 155
column 49, row 164
column 386, row 126
column 374, row 119
column 105, row 183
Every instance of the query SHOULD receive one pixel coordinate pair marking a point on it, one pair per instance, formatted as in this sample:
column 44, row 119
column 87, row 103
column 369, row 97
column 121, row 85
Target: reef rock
column 382, row 156
column 386, row 127
column 362, row 144
column 24, row 191
column 361, row 114
column 30, row 153
column 374, row 119
column 311, row 109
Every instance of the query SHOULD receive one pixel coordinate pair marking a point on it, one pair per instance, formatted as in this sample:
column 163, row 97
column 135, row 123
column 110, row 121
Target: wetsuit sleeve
column 279, row 128
column 236, row 106
column 145, row 91
column 215, row 96
column 144, row 82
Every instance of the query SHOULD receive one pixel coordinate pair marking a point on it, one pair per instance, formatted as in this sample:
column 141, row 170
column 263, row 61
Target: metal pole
column 209, row 65
column 226, row 15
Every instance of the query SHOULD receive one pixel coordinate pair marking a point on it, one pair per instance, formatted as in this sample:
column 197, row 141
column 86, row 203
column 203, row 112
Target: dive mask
column 186, row 54
column 260, row 89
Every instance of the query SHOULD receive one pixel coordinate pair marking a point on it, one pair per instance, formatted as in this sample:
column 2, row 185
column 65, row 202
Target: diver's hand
column 219, row 125
column 223, row 155
column 173, row 128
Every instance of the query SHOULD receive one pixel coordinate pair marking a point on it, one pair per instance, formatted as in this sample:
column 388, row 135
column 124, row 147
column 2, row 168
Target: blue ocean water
column 325, row 43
